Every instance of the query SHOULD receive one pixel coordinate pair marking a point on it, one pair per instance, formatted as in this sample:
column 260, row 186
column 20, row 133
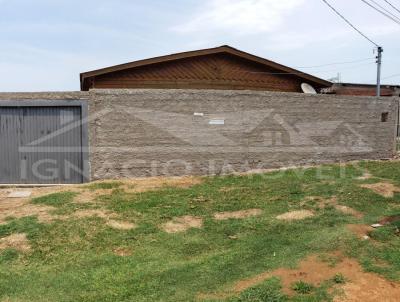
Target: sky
column 46, row 44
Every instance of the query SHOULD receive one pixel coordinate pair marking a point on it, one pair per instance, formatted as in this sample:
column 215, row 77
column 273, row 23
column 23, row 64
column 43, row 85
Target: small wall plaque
column 216, row 122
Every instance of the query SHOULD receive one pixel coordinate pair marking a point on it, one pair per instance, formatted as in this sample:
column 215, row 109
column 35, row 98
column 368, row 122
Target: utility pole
column 379, row 62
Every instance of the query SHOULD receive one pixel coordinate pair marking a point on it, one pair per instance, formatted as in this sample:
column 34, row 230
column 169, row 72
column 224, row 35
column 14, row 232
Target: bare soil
column 95, row 213
column 348, row 210
column 90, row 196
column 153, row 183
column 323, row 203
column 108, row 216
column 19, row 208
column 389, row 220
column 365, row 176
column 295, row 215
column 15, row 241
column 182, row 224
column 361, row 230
column 383, row 188
column 361, row 286
column 122, row 252
column 237, row 214
column 121, row 225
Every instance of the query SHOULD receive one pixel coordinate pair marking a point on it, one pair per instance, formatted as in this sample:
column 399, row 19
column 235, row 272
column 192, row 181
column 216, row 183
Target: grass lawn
column 81, row 258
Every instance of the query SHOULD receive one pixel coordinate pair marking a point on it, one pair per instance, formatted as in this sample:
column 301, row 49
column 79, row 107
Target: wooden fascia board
column 227, row 49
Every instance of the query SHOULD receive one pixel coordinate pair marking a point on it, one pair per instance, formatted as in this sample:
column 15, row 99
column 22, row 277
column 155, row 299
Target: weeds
column 302, row 287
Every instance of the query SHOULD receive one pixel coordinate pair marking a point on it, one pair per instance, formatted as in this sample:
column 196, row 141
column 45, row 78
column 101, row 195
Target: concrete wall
column 56, row 95
column 138, row 133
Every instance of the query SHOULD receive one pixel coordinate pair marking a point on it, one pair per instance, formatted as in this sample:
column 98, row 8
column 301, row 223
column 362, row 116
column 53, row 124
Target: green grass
column 104, row 185
column 73, row 259
column 269, row 291
column 339, row 279
column 56, row 199
column 302, row 287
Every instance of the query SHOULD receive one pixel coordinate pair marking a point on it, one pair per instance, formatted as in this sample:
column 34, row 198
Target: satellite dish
column 307, row 88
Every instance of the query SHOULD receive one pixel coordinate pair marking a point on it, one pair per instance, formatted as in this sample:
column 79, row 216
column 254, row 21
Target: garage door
column 41, row 145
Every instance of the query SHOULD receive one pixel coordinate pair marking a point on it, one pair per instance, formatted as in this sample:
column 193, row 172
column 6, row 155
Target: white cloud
column 240, row 16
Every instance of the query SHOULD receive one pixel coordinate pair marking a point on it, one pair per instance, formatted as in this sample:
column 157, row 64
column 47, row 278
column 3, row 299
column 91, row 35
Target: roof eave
column 227, row 49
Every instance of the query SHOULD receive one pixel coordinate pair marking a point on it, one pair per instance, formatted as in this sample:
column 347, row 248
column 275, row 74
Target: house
column 362, row 89
column 214, row 123
column 222, row 67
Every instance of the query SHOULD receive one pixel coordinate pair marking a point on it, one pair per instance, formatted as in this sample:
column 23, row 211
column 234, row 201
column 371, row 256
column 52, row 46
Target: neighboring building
column 361, row 89
column 216, row 68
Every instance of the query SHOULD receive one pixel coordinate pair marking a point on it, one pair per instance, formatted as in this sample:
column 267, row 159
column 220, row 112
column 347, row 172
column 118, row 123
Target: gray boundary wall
column 141, row 133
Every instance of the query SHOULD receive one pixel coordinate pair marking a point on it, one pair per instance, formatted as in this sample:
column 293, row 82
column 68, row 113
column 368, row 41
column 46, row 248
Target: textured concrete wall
column 138, row 133
column 70, row 95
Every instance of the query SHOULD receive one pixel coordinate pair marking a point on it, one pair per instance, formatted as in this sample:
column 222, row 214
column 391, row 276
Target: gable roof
column 203, row 52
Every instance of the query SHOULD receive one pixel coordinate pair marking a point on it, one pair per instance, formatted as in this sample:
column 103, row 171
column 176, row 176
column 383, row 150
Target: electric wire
column 392, row 76
column 386, row 10
column 336, row 63
column 392, row 5
column 349, row 23
column 300, row 72
column 380, row 11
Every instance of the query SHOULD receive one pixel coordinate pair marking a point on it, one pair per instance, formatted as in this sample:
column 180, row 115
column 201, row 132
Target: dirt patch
column 361, row 286
column 90, row 196
column 361, row 230
column 121, row 225
column 295, row 215
column 369, row 288
column 182, row 224
column 122, row 252
column 15, row 241
column 95, row 213
column 333, row 202
column 231, row 189
column 365, row 176
column 383, row 188
column 226, row 189
column 349, row 211
column 108, row 216
column 238, row 214
column 154, row 183
column 19, row 208
column 317, row 199
column 390, row 220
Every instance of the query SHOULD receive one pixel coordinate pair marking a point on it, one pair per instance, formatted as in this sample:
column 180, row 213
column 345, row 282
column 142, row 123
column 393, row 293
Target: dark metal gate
column 42, row 144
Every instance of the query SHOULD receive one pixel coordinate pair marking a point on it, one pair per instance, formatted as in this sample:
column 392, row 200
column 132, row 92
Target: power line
column 347, row 68
column 386, row 10
column 300, row 73
column 337, row 63
column 349, row 23
column 380, row 11
column 392, row 5
column 392, row 76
